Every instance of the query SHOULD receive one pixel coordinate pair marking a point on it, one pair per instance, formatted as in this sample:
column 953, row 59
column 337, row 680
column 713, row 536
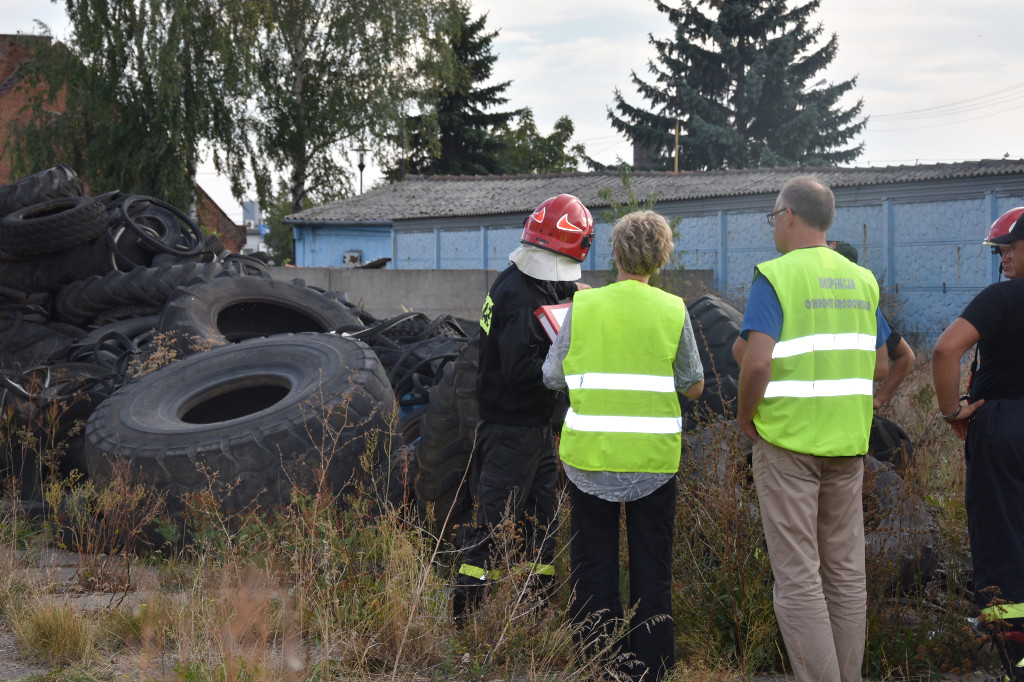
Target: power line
column 963, row 109
column 985, row 100
column 947, row 123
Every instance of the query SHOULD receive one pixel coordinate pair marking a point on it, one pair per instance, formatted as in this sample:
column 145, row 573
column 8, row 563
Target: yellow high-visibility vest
column 624, row 412
column 819, row 398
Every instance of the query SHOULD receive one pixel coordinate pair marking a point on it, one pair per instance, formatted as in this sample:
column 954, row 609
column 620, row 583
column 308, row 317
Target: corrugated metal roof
column 419, row 197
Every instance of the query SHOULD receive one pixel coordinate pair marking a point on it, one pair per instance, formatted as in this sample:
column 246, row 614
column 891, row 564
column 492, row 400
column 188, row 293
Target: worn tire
column 160, row 227
column 112, row 345
column 81, row 302
column 52, row 226
column 27, row 338
column 899, row 533
column 52, row 271
column 50, row 403
column 888, row 442
column 259, row 417
column 716, row 324
column 447, row 435
column 52, row 183
column 215, row 312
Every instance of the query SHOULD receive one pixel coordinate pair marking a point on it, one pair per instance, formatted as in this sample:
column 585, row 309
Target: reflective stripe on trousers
column 1003, row 611
column 493, row 574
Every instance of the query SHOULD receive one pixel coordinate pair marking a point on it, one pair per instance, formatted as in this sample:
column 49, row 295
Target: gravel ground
column 11, row 667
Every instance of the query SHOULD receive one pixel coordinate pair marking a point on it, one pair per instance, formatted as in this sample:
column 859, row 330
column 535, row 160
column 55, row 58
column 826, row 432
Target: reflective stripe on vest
column 621, row 382
column 624, row 413
column 613, row 424
column 818, row 398
column 821, row 388
column 817, row 342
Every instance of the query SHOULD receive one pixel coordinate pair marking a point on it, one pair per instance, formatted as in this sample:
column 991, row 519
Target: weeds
column 105, row 527
column 339, row 583
column 726, row 595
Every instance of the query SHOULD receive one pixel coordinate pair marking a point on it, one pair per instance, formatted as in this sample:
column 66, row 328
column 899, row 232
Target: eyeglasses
column 771, row 216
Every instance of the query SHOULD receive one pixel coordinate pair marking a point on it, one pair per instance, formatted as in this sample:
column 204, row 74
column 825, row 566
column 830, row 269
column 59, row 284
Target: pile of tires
column 276, row 385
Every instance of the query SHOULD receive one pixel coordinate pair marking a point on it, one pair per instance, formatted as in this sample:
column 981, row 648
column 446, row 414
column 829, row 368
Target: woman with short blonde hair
column 643, row 242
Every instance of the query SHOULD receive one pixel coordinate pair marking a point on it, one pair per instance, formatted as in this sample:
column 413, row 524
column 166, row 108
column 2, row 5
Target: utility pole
column 677, row 146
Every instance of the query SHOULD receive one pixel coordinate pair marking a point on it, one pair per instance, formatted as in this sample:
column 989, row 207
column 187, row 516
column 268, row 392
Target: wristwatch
column 954, row 414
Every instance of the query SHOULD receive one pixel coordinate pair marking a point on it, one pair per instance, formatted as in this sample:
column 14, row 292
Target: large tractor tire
column 215, row 312
column 899, row 533
column 52, row 226
column 716, row 324
column 52, row 271
column 447, row 435
column 143, row 291
column 251, row 421
column 53, row 183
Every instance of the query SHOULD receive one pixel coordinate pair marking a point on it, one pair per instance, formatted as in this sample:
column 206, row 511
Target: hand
column 581, row 286
column 749, row 430
column 962, row 421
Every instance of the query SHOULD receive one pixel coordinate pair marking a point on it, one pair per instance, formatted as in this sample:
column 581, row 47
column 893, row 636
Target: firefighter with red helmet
column 990, row 419
column 515, row 468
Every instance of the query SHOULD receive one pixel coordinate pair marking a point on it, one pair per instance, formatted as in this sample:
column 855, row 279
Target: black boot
column 466, row 596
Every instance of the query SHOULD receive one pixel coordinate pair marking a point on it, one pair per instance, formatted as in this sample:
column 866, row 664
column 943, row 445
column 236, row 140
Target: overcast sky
column 941, row 80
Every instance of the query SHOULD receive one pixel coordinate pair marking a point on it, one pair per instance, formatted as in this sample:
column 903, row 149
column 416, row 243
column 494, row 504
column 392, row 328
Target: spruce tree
column 458, row 134
column 736, row 76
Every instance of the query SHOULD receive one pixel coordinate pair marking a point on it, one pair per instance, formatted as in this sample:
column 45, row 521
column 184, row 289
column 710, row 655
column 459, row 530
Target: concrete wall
column 384, row 293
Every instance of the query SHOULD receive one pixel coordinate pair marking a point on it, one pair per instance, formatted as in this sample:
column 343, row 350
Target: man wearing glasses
column 811, row 342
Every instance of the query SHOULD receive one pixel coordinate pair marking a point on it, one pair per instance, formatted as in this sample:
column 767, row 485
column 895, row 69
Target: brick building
column 16, row 53
column 214, row 220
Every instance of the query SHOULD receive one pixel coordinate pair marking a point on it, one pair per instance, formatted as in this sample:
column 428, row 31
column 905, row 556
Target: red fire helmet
column 561, row 224
column 1007, row 228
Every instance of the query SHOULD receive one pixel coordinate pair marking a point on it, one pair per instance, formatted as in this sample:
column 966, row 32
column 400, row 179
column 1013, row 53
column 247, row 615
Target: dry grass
column 54, row 632
column 333, row 586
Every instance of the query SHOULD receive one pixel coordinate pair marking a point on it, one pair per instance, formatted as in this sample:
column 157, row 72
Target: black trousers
column 517, row 475
column 994, row 499
column 594, row 556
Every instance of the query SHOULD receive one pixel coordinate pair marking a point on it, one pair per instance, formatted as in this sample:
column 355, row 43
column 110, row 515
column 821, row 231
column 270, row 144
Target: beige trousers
column 814, row 526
